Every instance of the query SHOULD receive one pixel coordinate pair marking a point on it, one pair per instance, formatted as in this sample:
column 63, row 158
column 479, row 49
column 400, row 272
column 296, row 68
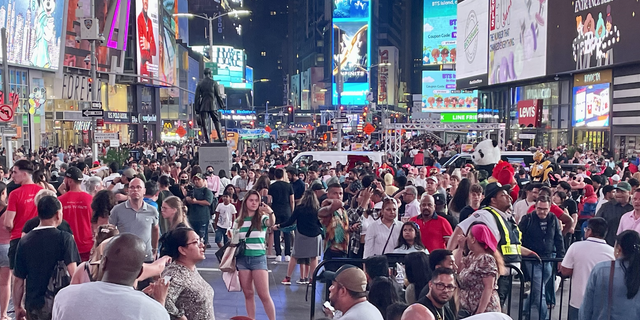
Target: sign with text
column 530, row 113
column 388, row 76
column 104, row 136
column 596, row 77
column 459, row 117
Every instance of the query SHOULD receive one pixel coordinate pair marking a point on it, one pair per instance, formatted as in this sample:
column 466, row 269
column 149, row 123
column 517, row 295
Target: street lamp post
column 210, row 19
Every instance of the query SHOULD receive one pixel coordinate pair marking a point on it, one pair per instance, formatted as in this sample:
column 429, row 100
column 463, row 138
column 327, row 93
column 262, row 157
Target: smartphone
column 167, row 279
column 328, row 305
column 265, row 199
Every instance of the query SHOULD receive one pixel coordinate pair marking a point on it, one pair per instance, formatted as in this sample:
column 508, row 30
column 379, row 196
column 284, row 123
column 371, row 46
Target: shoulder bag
column 231, row 251
column 389, row 237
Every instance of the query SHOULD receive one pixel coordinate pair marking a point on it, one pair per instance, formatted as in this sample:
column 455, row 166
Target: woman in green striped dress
column 252, row 265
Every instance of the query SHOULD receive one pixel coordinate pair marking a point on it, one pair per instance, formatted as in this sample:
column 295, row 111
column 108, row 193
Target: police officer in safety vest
column 495, row 213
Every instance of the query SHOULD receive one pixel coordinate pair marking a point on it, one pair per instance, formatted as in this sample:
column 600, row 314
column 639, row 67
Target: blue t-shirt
column 151, row 202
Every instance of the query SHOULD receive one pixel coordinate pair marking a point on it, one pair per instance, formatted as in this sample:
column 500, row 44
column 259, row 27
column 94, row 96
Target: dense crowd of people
column 82, row 235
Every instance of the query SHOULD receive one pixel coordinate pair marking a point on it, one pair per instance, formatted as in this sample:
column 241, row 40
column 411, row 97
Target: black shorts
column 13, row 246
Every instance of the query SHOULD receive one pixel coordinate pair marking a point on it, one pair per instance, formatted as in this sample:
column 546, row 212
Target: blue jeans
column 201, row 228
column 539, row 273
column 573, row 313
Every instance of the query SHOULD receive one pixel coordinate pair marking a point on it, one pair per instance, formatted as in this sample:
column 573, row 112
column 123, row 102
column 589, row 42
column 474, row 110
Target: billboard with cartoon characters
column 34, row 29
column 439, row 94
column 592, row 34
column 351, row 51
column 440, row 31
column 517, row 40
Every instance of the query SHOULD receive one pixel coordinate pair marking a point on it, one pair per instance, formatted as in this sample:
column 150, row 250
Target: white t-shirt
column 105, row 301
column 226, row 214
column 485, row 217
column 419, row 182
column 582, row 256
column 412, row 209
column 362, row 310
column 520, row 209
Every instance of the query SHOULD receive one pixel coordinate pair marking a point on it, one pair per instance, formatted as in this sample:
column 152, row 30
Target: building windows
column 263, row 53
column 273, row 13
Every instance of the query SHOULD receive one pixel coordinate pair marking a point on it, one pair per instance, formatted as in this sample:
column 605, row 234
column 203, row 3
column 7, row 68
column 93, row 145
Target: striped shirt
column 256, row 241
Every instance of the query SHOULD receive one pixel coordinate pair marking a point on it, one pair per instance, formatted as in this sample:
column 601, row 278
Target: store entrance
column 592, row 139
column 68, row 133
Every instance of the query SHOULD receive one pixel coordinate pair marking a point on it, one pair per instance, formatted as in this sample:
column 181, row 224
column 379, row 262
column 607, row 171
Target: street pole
column 6, row 143
column 94, row 82
column 210, row 37
column 266, row 114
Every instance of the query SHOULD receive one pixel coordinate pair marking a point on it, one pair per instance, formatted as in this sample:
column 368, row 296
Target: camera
column 189, row 191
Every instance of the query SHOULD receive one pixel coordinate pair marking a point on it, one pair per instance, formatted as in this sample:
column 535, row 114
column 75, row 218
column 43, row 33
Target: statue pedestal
column 217, row 155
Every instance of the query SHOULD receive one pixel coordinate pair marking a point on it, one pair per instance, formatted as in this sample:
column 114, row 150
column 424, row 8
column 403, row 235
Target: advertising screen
column 591, row 105
column 351, row 51
column 231, row 66
column 108, row 13
column 517, row 40
column 471, row 67
column 439, row 95
column 147, row 44
column 167, row 68
column 34, row 32
column 439, row 32
column 586, row 33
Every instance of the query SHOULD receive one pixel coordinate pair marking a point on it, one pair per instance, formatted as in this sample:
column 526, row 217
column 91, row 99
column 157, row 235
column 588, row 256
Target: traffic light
column 364, row 113
column 290, row 109
column 190, row 123
column 341, row 108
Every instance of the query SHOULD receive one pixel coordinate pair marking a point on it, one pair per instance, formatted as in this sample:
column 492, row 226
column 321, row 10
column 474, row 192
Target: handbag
column 389, row 237
column 241, row 244
column 232, row 281
column 228, row 262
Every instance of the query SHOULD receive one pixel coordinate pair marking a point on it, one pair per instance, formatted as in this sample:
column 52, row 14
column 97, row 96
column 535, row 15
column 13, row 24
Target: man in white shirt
column 421, row 179
column 580, row 259
column 113, row 297
column 521, row 207
column 409, row 196
column 348, row 294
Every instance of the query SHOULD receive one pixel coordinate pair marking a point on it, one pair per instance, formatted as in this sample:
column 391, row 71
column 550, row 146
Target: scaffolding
column 393, row 133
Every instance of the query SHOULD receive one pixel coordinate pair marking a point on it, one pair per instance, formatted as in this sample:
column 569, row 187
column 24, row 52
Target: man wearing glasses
column 442, row 289
column 137, row 217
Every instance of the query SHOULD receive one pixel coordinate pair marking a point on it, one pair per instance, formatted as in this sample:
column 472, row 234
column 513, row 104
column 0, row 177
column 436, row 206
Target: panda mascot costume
column 486, row 156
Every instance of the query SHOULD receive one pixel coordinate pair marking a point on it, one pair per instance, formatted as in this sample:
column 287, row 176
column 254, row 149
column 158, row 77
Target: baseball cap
column 317, row 186
column 625, row 186
column 129, row 173
column 350, row 277
column 432, row 178
column 97, row 163
column 439, row 199
column 74, row 173
column 615, row 177
column 199, row 176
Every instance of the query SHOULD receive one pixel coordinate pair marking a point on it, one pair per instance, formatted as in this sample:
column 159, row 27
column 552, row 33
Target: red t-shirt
column 76, row 209
column 557, row 211
column 21, row 202
column 433, row 231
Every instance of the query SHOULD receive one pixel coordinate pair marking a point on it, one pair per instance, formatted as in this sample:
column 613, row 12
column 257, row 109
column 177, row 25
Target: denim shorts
column 252, row 263
column 221, row 234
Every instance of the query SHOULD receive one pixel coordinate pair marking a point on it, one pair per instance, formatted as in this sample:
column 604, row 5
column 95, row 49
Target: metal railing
column 516, row 277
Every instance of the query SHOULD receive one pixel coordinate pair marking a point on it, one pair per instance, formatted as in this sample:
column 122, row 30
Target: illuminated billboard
column 439, row 95
column 167, row 59
column 231, row 66
column 351, row 51
column 147, row 39
column 440, row 32
column 591, row 105
column 34, row 32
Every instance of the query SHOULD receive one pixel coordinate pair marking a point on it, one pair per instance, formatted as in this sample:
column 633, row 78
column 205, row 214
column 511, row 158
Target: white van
column 334, row 156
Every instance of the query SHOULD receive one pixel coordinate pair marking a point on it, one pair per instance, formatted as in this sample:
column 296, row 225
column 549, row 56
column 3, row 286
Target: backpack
column 60, row 278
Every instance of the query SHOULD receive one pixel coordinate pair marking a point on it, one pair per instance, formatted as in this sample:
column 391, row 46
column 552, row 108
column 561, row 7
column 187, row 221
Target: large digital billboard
column 351, row 51
column 517, row 40
column 147, row 39
column 591, row 105
column 585, row 34
column 231, row 66
column 471, row 67
column 34, row 32
column 439, row 31
column 109, row 13
column 167, row 59
column 439, row 94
